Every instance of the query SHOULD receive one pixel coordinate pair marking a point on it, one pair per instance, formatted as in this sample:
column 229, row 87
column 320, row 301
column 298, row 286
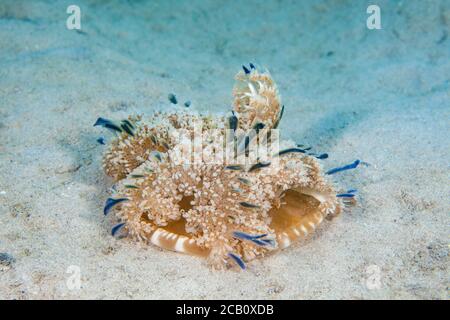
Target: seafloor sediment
column 381, row 96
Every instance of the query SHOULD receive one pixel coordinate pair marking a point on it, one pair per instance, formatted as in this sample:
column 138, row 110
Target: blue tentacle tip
column 263, row 242
column 322, row 156
column 246, row 236
column 101, row 122
column 256, row 239
column 107, row 124
column 345, row 195
column 110, row 202
column 238, row 260
column 116, row 228
column 343, row 168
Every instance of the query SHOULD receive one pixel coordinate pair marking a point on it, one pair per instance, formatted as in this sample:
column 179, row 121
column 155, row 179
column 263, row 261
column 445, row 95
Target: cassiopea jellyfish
column 197, row 184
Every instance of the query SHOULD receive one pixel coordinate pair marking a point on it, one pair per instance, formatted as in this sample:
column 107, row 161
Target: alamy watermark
column 373, row 279
column 73, row 281
column 74, row 19
column 374, row 20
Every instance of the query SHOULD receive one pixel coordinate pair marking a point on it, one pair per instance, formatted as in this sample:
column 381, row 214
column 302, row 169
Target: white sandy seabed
column 381, row 96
